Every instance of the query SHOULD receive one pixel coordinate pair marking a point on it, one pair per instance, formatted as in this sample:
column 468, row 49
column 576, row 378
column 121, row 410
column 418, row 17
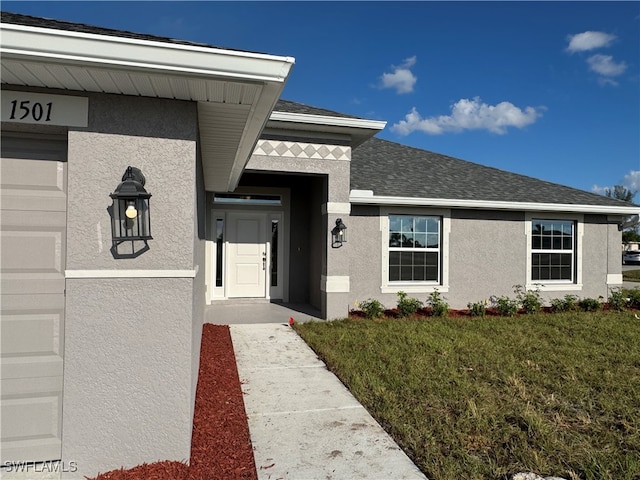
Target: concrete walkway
column 304, row 423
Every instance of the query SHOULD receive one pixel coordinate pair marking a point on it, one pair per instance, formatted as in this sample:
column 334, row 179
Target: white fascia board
column 35, row 43
column 255, row 125
column 367, row 197
column 345, row 122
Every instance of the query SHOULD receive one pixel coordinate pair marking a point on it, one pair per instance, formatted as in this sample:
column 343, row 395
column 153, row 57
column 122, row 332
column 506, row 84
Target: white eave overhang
column 357, row 129
column 235, row 91
column 367, row 197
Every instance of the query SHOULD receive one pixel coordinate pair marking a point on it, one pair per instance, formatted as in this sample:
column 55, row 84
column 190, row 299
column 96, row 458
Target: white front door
column 247, row 255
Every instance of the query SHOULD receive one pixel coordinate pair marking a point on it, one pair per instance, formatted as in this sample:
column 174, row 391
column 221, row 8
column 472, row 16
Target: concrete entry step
column 250, row 310
column 303, row 421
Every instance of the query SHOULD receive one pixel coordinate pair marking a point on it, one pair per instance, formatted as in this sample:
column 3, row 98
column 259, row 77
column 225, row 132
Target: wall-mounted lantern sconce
column 130, row 219
column 338, row 234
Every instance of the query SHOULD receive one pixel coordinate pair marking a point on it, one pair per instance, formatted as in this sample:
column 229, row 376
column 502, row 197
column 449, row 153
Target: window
column 274, row 252
column 219, row 250
column 247, row 199
column 414, row 248
column 553, row 250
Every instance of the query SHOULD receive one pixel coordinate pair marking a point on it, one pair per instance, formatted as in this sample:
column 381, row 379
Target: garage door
column 33, row 178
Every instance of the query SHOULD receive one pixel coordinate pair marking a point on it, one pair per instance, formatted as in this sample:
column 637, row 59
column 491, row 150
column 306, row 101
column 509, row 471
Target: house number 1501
column 26, row 108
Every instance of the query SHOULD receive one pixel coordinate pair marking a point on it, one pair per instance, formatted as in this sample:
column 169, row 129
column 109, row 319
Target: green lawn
column 631, row 276
column 471, row 398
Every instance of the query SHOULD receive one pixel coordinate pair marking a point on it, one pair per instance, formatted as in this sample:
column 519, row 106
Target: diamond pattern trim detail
column 277, row 148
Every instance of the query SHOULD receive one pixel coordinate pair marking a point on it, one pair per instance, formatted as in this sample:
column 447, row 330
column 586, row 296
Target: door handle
column 264, row 261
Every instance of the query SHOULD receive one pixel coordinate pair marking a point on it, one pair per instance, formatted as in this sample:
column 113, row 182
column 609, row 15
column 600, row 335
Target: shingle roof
column 392, row 169
column 31, row 21
column 295, row 107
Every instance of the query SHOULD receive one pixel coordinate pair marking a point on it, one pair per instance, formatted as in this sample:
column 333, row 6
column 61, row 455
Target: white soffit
column 366, row 197
column 235, row 90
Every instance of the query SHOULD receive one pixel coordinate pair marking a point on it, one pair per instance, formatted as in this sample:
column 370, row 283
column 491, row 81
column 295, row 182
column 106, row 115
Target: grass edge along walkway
column 631, row 275
column 483, row 398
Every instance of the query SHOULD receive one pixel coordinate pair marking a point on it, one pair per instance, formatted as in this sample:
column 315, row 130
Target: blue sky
column 546, row 89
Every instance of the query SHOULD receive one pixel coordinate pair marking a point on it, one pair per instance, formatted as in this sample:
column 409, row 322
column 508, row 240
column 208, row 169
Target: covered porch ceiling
column 235, row 91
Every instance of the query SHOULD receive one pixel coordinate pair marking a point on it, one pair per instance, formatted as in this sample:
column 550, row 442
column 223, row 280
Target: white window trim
column 556, row 285
column 415, row 287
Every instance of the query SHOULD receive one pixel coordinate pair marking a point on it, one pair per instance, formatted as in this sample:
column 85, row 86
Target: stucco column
column 129, row 333
column 335, row 282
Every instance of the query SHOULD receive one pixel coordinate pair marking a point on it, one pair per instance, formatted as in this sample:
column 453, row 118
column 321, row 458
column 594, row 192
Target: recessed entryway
column 246, row 256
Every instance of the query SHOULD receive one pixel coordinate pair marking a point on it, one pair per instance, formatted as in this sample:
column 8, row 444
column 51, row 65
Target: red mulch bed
column 220, row 444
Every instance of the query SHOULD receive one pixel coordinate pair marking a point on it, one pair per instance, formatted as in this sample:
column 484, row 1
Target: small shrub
column 407, row 306
column 529, row 300
column 618, row 299
column 438, row 304
column 634, row 297
column 590, row 304
column 505, row 306
column 567, row 304
column 477, row 309
column 372, row 308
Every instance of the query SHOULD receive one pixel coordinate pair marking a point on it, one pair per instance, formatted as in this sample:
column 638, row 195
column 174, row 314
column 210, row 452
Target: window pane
column 420, row 258
column 433, row 225
column 414, row 266
column 407, row 240
column 246, row 199
column 394, row 223
column 420, row 240
column 405, row 274
column 432, row 264
column 394, row 266
column 551, row 266
column 420, row 224
column 536, row 242
column 219, row 246
column 394, row 239
column 406, row 224
column 274, row 253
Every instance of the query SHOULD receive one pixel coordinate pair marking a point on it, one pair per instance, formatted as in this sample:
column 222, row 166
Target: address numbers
column 44, row 109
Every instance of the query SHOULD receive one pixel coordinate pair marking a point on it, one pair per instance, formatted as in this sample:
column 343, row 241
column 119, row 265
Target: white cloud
column 585, row 41
column 402, row 79
column 470, row 115
column 605, row 65
column 631, row 181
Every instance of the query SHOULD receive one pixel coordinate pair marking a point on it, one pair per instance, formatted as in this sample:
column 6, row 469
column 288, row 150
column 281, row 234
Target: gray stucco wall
column 487, row 256
column 131, row 344
column 127, row 373
column 601, row 255
column 98, row 157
